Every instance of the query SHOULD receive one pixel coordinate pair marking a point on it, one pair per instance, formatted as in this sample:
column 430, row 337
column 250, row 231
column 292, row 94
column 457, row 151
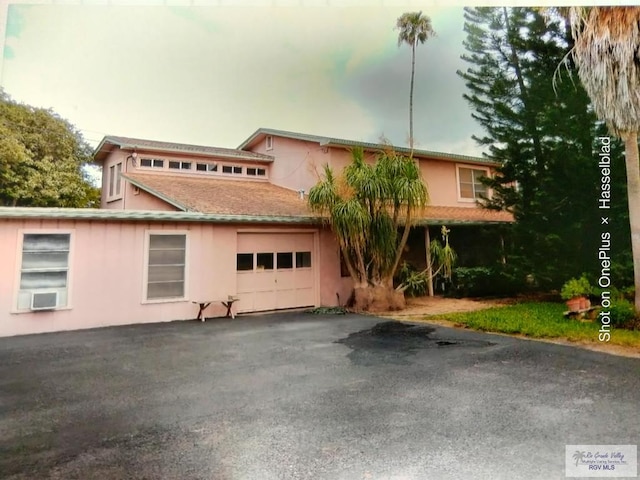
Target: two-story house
column 185, row 223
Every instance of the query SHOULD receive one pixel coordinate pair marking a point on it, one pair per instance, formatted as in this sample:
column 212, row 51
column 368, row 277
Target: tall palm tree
column 414, row 27
column 607, row 53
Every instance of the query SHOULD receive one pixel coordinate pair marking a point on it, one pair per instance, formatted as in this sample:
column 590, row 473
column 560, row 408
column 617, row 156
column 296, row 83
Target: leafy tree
column 414, row 28
column 371, row 209
column 543, row 138
column 606, row 53
column 41, row 159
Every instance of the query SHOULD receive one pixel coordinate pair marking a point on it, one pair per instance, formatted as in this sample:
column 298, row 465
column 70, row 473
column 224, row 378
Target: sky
column 211, row 72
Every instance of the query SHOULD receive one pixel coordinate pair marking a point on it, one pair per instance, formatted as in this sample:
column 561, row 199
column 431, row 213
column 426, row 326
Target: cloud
column 213, row 75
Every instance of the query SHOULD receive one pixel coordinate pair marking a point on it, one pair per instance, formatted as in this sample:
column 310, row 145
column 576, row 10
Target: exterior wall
column 331, row 284
column 107, row 273
column 298, row 165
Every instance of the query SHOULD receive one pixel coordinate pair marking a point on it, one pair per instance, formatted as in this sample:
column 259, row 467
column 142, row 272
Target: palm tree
column 414, row 27
column 578, row 456
column 607, row 42
column 371, row 209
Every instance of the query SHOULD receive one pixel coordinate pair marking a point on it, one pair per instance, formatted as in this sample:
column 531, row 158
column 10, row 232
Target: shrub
column 411, row 280
column 576, row 287
column 622, row 313
column 486, row 281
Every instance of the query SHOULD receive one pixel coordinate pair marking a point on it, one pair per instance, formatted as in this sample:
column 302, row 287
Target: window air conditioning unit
column 44, row 300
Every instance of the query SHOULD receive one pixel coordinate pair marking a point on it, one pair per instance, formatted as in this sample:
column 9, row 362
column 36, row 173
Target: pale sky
column 212, row 72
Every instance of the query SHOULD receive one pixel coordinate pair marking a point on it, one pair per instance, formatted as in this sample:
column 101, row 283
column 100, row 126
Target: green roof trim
column 144, row 215
column 163, row 216
column 340, row 142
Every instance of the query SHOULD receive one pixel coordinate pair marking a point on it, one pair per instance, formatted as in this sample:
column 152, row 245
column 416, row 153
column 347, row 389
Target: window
column 201, row 167
column 285, row 260
column 269, row 142
column 180, row 165
column 256, row 172
column 264, row 261
column 115, row 181
column 152, row 162
column 44, row 269
column 303, row 259
column 213, row 167
column 244, row 262
column 235, row 169
column 166, row 266
column 469, row 182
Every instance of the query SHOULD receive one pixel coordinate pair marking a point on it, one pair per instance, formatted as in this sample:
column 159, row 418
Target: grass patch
column 538, row 320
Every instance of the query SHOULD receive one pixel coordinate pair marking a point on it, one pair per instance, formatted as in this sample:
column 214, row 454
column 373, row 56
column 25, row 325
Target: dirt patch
column 418, row 308
column 422, row 306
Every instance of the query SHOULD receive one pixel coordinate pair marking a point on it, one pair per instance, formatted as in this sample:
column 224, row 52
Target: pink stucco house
column 185, row 223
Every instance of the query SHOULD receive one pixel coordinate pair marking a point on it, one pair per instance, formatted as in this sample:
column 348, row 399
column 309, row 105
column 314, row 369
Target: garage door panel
column 290, row 284
column 304, row 278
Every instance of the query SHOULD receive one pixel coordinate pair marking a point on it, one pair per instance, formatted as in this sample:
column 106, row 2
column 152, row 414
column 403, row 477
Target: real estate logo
column 603, row 461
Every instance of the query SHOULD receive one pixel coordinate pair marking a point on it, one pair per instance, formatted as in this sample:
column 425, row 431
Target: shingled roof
column 222, row 196
column 110, row 141
column 247, row 197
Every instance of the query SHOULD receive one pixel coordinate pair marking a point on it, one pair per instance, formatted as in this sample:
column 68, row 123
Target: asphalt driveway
column 299, row 396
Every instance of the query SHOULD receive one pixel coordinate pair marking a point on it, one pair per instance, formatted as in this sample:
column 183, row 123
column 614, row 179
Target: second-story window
column 269, row 142
column 176, row 165
column 115, row 180
column 152, row 162
column 471, row 188
column 260, row 172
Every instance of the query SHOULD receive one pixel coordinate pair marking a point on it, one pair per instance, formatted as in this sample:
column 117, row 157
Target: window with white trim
column 269, row 142
column 115, row 180
column 44, row 269
column 469, row 184
column 166, row 262
column 252, row 172
column 152, row 162
column 177, row 165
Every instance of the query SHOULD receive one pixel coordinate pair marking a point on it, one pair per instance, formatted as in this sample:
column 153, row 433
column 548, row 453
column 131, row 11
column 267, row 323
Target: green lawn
column 538, row 320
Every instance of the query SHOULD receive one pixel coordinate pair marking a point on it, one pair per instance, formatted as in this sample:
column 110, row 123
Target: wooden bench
column 582, row 313
column 228, row 303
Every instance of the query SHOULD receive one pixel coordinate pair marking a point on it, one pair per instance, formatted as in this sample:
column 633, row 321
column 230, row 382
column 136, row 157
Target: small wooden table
column 228, row 303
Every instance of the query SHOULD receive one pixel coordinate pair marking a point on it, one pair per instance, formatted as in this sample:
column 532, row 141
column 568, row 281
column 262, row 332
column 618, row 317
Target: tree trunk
column 427, row 245
column 413, row 68
column 377, row 298
column 633, row 194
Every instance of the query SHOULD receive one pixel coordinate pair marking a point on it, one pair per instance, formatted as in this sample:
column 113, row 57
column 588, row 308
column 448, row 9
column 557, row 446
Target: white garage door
column 275, row 270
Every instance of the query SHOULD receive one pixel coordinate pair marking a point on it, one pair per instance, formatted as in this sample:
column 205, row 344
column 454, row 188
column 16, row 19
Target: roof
column 108, row 142
column 339, row 142
column 141, row 215
column 222, row 196
column 434, row 215
column 255, row 198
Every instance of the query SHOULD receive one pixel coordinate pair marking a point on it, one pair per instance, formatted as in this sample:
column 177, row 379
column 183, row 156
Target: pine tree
column 544, row 138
